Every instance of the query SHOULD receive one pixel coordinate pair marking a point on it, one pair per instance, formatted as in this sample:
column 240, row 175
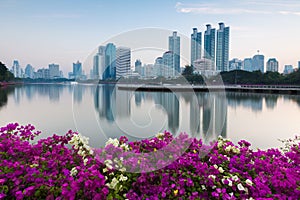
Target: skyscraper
column 77, row 70
column 123, row 60
column 247, row 64
column 258, row 63
column 54, row 71
column 222, row 53
column 138, row 66
column 29, row 71
column 288, row 69
column 159, row 66
column 272, row 65
column 110, row 61
column 168, row 64
column 196, row 43
column 16, row 69
column 174, row 47
column 209, row 43
column 99, row 63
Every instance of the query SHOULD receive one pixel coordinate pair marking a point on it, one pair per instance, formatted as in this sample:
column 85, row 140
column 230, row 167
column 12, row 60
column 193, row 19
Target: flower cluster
column 163, row 167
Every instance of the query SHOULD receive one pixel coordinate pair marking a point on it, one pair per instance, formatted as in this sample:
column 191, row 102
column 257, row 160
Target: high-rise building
column 209, row 43
column 222, row 53
column 196, row 43
column 168, row 64
column 235, row 64
column 99, row 63
column 110, row 62
column 138, row 66
column 247, row 64
column 272, row 65
column 16, row 69
column 159, row 66
column 174, row 48
column 54, row 71
column 288, row 69
column 258, row 63
column 77, row 70
column 123, row 60
column 29, row 71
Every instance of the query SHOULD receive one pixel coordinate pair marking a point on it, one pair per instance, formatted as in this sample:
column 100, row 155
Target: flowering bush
column 163, row 167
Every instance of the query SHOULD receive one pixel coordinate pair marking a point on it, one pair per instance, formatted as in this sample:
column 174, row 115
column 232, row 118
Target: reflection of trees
column 247, row 100
column 271, row 100
column 295, row 99
column 4, row 92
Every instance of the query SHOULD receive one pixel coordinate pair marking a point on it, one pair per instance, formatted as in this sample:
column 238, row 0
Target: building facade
column 29, row 71
column 288, row 69
column 222, row 52
column 77, row 70
column 235, row 64
column 272, row 65
column 54, row 71
column 247, row 64
column 258, row 63
column 196, row 45
column 123, row 60
column 110, row 62
column 209, row 43
column 174, row 48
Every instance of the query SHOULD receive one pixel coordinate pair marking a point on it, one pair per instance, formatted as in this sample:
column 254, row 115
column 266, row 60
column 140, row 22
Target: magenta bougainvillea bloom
column 163, row 167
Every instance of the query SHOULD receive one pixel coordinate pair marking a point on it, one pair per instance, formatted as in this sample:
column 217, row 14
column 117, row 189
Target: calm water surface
column 103, row 111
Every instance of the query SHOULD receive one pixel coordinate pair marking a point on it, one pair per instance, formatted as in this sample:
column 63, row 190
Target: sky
column 42, row 32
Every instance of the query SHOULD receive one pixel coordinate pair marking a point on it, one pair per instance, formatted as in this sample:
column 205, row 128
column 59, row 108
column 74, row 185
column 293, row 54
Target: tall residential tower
column 222, row 53
column 174, row 47
column 196, row 42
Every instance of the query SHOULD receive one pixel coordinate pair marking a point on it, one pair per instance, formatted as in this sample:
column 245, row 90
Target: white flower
column 123, row 178
column 113, row 183
column 203, row 187
column 228, row 148
column 212, row 176
column 240, row 187
column 73, row 171
column 214, row 187
column 231, row 194
column 216, row 166
column 248, row 182
column 124, row 147
column 85, row 161
column 235, row 178
column 123, row 169
column 229, row 183
column 221, row 170
column 104, row 170
column 114, row 142
column 159, row 135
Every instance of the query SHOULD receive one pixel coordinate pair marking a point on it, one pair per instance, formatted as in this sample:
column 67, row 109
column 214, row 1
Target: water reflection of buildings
column 113, row 104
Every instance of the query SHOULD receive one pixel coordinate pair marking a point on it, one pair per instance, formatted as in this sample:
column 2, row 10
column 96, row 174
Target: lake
column 103, row 111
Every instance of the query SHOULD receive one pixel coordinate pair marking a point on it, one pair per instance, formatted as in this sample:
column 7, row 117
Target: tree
column 5, row 75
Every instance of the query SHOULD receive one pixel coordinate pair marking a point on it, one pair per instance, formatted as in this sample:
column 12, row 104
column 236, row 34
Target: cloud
column 243, row 7
column 289, row 13
column 213, row 9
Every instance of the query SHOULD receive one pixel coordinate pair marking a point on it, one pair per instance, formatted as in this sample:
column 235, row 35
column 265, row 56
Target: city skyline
column 60, row 32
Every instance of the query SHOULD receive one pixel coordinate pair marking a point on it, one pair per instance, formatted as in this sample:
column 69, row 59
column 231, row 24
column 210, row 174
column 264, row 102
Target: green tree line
column 245, row 77
column 5, row 74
